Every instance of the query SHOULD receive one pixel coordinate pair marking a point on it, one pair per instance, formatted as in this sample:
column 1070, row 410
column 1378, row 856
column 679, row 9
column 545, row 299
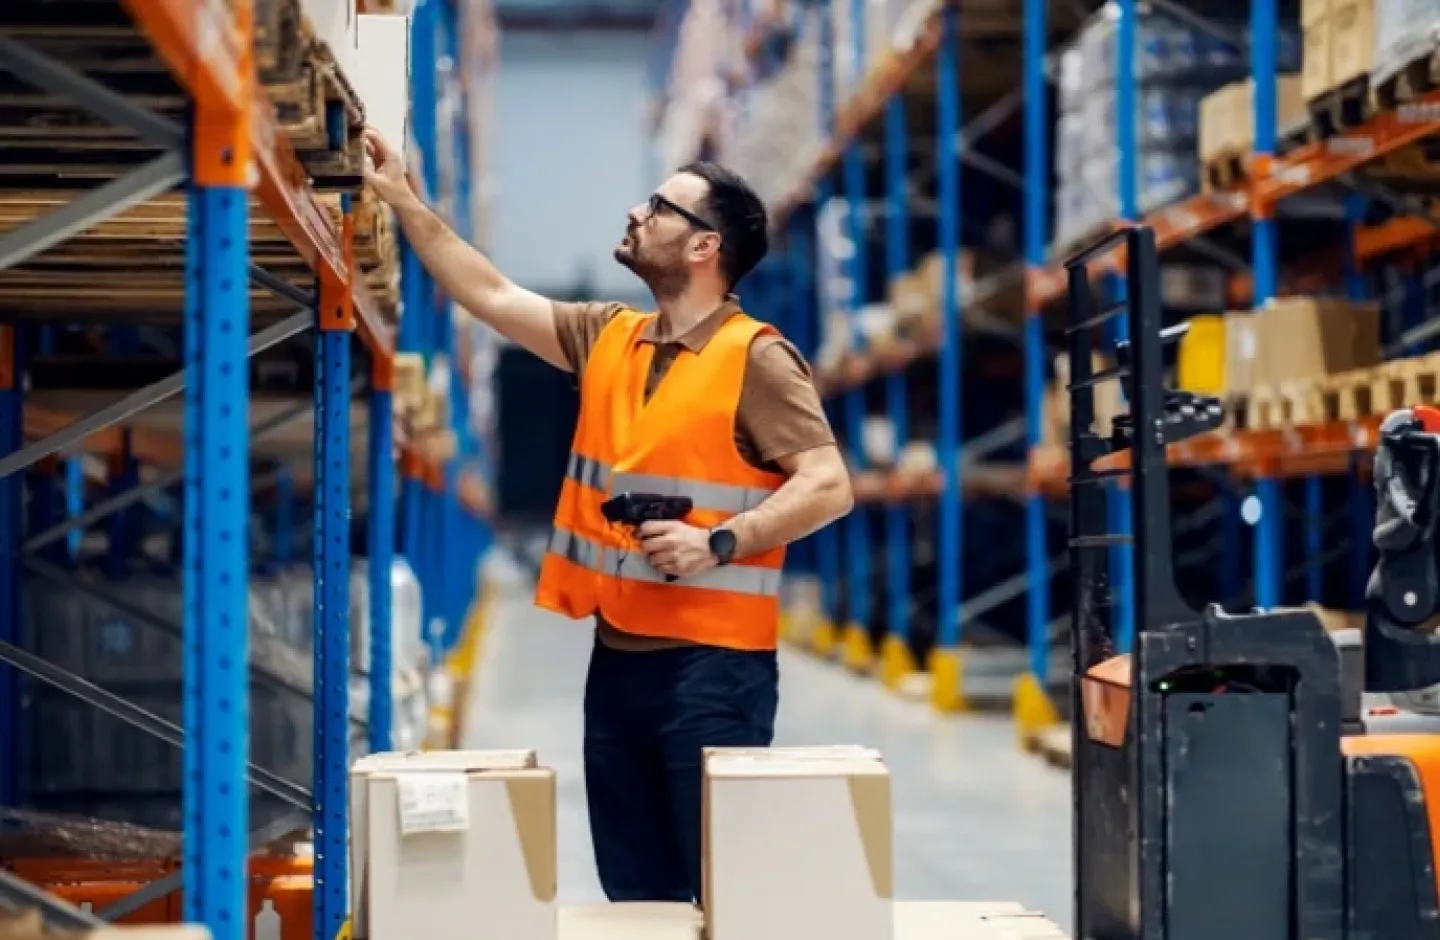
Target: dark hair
column 739, row 216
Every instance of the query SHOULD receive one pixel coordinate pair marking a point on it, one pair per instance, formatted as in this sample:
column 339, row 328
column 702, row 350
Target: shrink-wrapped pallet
column 1405, row 30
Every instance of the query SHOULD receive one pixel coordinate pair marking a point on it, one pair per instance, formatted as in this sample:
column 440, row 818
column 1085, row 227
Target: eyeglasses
column 659, row 203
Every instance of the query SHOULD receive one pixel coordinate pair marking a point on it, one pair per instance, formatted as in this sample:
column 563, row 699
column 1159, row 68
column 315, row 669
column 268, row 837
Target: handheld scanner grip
column 632, row 509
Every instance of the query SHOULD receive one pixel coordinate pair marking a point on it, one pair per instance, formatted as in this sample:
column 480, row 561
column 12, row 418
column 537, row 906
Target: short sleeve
column 780, row 412
column 578, row 326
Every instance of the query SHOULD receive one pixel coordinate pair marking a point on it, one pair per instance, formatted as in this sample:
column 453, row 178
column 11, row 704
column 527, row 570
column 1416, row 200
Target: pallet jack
column 1228, row 784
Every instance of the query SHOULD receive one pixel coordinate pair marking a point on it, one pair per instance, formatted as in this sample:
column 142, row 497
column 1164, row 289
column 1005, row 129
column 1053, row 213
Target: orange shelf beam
column 1294, row 173
column 863, row 108
column 199, row 41
column 1288, row 452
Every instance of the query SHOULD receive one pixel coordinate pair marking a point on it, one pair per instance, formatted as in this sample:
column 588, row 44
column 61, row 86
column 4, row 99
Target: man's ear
column 705, row 246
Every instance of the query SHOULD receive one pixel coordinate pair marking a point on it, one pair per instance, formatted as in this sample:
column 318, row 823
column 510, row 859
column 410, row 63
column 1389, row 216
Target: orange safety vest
column 679, row 443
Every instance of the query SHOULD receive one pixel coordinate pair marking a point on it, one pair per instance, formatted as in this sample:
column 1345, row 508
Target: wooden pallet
column 1415, row 79
column 1346, row 396
column 45, row 137
column 1340, row 109
column 1225, row 171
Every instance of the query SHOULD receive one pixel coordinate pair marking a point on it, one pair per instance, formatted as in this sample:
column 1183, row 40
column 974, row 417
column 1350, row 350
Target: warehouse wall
column 571, row 159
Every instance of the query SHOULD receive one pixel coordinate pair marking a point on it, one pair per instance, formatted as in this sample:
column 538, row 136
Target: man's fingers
column 657, row 527
column 663, row 561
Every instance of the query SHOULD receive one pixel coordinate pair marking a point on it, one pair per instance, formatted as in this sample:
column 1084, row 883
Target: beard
column 659, row 267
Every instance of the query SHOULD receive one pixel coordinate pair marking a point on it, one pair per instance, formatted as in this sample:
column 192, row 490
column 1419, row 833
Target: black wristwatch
column 722, row 545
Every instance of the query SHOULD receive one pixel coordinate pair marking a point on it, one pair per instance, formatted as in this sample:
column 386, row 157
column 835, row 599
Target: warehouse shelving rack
column 1265, row 457
column 231, row 151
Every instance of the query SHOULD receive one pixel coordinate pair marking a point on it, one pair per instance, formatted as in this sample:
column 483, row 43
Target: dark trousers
column 647, row 716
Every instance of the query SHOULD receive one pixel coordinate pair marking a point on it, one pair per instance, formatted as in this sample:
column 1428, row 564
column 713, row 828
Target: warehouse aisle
column 974, row 818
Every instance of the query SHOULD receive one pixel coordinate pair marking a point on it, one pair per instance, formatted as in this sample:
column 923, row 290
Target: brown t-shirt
column 779, row 413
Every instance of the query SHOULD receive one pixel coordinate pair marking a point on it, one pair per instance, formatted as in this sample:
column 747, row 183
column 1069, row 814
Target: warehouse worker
column 695, row 400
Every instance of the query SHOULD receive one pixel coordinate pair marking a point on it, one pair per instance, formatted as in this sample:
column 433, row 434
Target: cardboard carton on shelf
column 27, row 924
column 1352, row 39
column 1311, row 337
column 1316, row 70
column 452, row 851
column 1215, row 136
column 797, row 846
column 382, row 80
column 1290, row 111
column 1242, row 350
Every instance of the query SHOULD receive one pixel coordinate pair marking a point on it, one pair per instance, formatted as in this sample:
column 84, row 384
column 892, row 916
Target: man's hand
column 676, row 548
column 385, row 171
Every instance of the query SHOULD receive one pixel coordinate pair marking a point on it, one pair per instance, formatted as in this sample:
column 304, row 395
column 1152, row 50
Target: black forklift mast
column 1217, row 811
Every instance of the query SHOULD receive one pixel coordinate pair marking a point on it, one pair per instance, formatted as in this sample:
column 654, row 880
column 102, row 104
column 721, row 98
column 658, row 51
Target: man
column 696, row 400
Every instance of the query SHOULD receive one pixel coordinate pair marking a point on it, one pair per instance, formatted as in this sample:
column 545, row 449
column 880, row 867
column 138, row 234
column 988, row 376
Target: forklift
column 1229, row 782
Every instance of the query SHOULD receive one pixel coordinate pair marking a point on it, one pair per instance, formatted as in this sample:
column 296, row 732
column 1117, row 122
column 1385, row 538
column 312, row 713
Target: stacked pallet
column 132, row 263
column 1367, row 56
column 1297, row 361
column 1226, row 137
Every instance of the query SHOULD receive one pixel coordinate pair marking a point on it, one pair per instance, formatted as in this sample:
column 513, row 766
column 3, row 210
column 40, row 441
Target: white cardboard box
column 478, row 859
column 335, row 23
column 382, row 79
column 798, row 846
column 361, row 773
column 640, row 920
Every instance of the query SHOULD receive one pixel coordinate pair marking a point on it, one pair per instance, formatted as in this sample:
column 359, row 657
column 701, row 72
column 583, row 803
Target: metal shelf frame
column 1261, row 461
column 233, row 135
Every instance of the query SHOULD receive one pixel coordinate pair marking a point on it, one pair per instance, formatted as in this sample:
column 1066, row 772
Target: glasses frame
column 658, row 202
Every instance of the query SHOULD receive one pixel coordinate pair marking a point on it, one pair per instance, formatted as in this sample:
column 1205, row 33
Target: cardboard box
column 1311, row 337
column 1316, row 67
column 336, row 24
column 1242, row 352
column 453, row 852
column 361, row 774
column 28, row 924
column 1216, row 123
column 798, row 845
column 383, row 81
column 1352, row 39
column 1290, row 110
column 639, row 920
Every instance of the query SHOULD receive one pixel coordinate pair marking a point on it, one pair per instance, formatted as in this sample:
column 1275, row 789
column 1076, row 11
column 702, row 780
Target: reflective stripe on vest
column 717, row 497
column 633, row 566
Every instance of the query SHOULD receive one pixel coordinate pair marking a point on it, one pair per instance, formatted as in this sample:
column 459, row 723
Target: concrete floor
column 975, row 819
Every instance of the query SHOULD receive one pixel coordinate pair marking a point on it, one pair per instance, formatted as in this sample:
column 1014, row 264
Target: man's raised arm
column 464, row 273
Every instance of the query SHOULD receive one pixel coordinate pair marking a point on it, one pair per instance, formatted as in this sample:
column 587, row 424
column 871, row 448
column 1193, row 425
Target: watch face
column 722, row 544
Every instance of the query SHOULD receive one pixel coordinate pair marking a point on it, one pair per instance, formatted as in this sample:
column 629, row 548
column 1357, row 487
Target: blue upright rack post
column 1270, row 527
column 284, row 547
column 216, row 625
column 380, row 534
column 1032, row 706
column 896, row 659
column 335, row 320
column 1360, row 506
column 825, row 637
column 945, row 660
column 857, row 652
column 12, row 438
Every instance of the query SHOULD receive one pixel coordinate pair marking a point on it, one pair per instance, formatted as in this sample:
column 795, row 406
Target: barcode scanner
column 633, row 509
